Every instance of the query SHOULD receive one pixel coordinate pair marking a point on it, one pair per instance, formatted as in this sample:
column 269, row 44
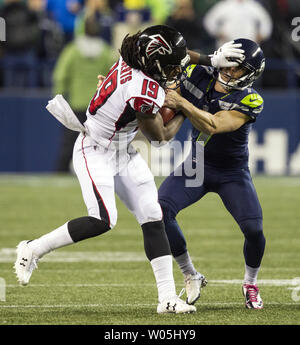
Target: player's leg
column 95, row 175
column 136, row 188
column 174, row 195
column 98, row 193
column 240, row 198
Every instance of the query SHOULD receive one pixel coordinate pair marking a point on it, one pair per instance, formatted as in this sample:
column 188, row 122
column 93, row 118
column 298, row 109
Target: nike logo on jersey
column 253, row 100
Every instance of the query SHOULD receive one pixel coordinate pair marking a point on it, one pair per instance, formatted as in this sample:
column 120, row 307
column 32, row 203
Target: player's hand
column 172, row 99
column 100, row 80
column 229, row 50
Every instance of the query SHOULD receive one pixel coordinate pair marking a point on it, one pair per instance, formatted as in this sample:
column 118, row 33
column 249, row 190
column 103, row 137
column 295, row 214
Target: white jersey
column 111, row 113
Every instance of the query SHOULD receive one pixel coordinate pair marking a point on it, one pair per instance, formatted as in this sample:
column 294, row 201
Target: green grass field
column 108, row 281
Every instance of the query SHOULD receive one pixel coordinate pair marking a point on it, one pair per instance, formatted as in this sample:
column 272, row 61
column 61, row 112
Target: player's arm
column 199, row 59
column 222, row 121
column 153, row 128
column 220, row 57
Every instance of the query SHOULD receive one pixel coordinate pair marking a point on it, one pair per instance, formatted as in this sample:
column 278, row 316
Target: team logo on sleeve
column 144, row 106
column 158, row 44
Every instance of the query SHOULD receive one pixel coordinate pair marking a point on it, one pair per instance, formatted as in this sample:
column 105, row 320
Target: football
column 167, row 114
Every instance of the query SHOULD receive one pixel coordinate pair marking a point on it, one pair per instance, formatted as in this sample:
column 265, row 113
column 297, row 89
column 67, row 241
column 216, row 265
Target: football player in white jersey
column 105, row 162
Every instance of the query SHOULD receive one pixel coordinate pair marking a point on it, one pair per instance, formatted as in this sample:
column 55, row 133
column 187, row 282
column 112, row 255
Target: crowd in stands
column 44, row 37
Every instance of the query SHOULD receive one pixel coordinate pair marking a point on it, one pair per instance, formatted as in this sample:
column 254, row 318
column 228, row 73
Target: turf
column 108, row 281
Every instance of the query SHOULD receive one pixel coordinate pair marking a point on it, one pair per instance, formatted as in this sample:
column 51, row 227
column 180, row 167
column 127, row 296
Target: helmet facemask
column 239, row 83
column 171, row 75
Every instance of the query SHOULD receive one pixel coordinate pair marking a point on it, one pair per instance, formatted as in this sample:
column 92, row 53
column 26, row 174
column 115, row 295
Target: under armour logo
column 158, row 44
column 169, row 306
column 22, row 263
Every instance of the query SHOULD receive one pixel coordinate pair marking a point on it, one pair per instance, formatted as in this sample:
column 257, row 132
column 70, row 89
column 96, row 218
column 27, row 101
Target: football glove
column 224, row 56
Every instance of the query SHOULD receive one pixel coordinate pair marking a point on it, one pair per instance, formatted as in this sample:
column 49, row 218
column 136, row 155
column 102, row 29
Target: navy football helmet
column 254, row 63
column 162, row 53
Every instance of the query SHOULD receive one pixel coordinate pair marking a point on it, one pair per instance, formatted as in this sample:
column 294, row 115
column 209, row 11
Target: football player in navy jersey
column 221, row 105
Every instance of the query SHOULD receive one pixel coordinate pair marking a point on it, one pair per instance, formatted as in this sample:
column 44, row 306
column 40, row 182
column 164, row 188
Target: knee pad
column 86, row 227
column 252, row 228
column 155, row 240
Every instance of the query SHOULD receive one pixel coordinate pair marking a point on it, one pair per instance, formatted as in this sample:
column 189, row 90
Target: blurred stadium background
column 41, row 41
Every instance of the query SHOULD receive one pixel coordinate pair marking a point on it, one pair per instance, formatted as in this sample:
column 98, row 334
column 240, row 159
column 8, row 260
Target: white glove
column 62, row 111
column 227, row 50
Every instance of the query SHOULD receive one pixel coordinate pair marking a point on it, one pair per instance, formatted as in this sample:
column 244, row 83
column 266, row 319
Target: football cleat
column 25, row 264
column 175, row 305
column 252, row 297
column 193, row 285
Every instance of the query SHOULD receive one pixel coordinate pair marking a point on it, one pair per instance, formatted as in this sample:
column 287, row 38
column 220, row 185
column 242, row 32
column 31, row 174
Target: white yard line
column 75, row 305
column 130, row 305
column 38, row 180
column 266, row 282
column 82, row 285
column 9, row 255
column 270, row 282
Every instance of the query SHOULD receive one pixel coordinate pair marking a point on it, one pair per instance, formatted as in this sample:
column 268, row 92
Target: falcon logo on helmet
column 158, row 44
column 162, row 52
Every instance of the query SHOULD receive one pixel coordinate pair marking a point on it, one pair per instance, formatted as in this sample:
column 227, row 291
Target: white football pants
column 103, row 172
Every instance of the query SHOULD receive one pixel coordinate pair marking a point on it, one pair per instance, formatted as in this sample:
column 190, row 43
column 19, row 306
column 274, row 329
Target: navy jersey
column 224, row 150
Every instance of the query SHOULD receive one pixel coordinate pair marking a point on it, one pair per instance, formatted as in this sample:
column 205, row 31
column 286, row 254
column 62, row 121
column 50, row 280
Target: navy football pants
column 236, row 189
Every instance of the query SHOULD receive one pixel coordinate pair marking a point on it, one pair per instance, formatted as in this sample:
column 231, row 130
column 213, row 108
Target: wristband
column 204, row 60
